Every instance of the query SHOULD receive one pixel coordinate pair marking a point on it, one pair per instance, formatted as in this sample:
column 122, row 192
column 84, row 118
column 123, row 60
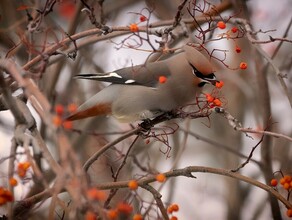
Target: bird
column 148, row 90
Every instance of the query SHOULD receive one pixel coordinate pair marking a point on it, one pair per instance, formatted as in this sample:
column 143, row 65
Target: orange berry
column 21, row 173
column 2, row 201
column 169, row 209
column 134, row 27
column 68, row 124
column 286, row 186
column 12, row 181
column 26, row 165
column 133, row 184
column 90, row 215
column 59, row 109
column 243, row 65
column 274, row 182
column 112, row 214
column 160, row 177
column 143, row 18
column 289, row 213
column 57, row 120
column 22, row 168
column 22, row 7
column 162, row 79
column 67, row 9
column 125, row 208
column 219, row 84
column 95, row 194
column 217, row 102
column 173, row 218
column 72, row 108
column 221, row 25
column 287, row 178
column 209, row 97
column 234, row 29
column 175, row 207
column 137, row 217
column 237, row 49
column 6, row 195
column 282, row 181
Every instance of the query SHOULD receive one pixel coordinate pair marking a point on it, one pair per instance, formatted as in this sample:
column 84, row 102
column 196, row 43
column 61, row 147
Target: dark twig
column 113, row 192
column 178, row 15
column 249, row 156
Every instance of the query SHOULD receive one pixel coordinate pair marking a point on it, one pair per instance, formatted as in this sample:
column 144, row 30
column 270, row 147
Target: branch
column 144, row 126
column 157, row 196
column 112, row 32
column 237, row 126
column 9, row 99
column 187, row 172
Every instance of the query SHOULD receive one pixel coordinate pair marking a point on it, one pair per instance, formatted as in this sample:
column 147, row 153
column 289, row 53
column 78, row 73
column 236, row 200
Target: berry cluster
column 60, row 110
column 5, row 196
column 213, row 98
column 173, row 208
column 230, row 35
column 286, row 184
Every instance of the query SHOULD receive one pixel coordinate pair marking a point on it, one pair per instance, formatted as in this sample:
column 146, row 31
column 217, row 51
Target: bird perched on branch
column 145, row 91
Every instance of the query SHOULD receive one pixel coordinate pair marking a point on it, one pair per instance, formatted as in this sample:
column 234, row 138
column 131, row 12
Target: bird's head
column 201, row 66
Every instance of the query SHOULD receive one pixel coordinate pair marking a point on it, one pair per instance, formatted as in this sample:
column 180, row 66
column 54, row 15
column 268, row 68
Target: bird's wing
column 145, row 75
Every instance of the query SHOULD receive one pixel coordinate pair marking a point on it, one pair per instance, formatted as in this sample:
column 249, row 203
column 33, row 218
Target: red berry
column 162, row 79
column 237, row 49
column 59, row 109
column 175, row 207
column 143, row 18
column 234, row 29
column 221, row 25
column 274, row 182
column 243, row 65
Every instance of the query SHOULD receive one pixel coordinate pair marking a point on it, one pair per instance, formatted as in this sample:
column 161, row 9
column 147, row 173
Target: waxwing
column 145, row 91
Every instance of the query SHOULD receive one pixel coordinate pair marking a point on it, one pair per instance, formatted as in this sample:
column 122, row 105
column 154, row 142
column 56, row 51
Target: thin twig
column 94, row 157
column 217, row 144
column 115, row 176
column 249, row 156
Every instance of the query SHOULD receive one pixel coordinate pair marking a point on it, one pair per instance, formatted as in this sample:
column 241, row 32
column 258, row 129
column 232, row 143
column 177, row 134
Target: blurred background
column 253, row 96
